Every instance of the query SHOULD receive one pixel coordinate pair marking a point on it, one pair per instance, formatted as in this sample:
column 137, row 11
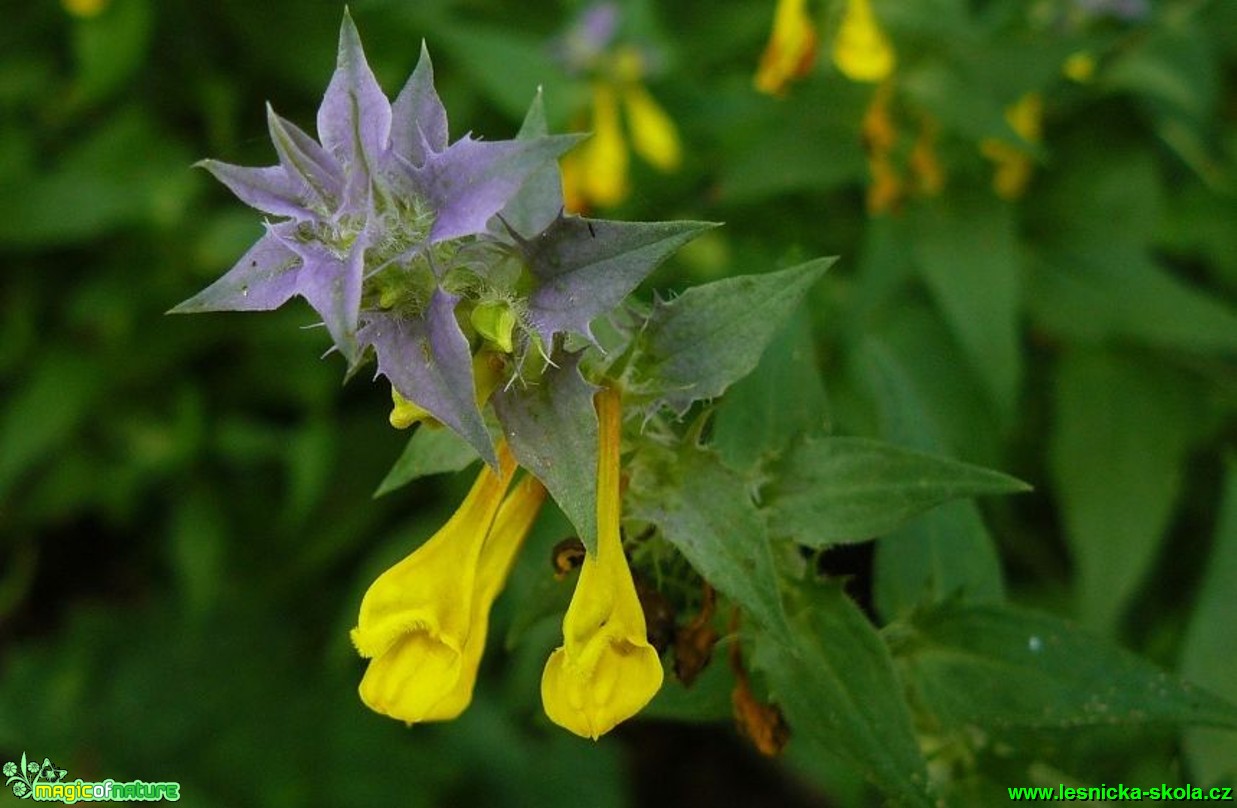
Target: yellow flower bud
column 495, row 322
column 405, row 413
column 605, row 671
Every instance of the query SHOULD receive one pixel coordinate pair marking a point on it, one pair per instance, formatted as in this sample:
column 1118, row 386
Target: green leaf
column 782, row 399
column 947, row 550
column 831, row 490
column 44, row 413
column 429, row 451
column 110, row 48
column 706, row 511
column 509, row 67
column 1095, row 291
column 967, row 252
column 1209, row 655
column 838, row 689
column 1122, row 429
column 998, row 668
column 552, row 429
column 700, row 343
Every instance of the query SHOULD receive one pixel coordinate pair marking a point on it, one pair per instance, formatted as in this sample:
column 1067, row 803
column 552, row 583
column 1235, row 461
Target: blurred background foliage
column 186, row 522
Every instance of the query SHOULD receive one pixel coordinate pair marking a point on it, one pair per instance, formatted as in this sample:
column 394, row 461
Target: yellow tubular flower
column 861, row 49
column 605, row 671
column 515, row 518
column 653, row 134
column 604, row 156
column 1013, row 165
column 791, row 50
column 417, row 617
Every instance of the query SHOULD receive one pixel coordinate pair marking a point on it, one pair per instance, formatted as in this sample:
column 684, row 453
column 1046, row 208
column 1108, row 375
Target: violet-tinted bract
column 366, row 223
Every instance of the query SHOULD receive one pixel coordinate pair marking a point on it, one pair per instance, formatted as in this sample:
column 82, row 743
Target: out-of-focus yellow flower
column 603, row 160
column 422, row 623
column 791, row 51
column 597, row 173
column 653, row 134
column 861, row 49
column 1013, row 164
column 85, row 8
column 606, row 670
column 887, row 164
column 925, row 165
column 880, row 136
column 1079, row 67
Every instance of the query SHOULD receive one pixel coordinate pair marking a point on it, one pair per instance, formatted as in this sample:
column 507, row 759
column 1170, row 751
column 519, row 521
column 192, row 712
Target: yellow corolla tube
column 605, row 671
column 422, row 621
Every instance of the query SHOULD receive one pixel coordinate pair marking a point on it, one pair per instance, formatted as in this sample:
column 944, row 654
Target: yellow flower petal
column 791, row 50
column 416, row 618
column 604, row 156
column 861, row 49
column 515, row 518
column 653, row 134
column 605, row 671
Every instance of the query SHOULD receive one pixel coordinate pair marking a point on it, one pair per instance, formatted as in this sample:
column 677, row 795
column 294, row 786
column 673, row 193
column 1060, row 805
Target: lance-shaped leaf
column 585, row 267
column 354, row 119
column 838, row 687
column 1209, row 653
column 700, row 343
column 997, row 668
column 830, row 490
column 428, row 361
column 418, row 118
column 428, row 451
column 552, row 430
column 706, row 511
column 948, row 549
column 473, row 179
column 264, row 279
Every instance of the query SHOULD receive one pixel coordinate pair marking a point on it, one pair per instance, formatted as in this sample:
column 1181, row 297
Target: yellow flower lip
column 423, row 622
column 605, row 671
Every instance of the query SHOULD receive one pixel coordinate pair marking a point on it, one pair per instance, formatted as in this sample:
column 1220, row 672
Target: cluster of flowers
column 862, row 51
column 454, row 267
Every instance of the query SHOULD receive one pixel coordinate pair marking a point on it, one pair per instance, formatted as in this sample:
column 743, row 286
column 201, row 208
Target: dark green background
column 186, row 523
